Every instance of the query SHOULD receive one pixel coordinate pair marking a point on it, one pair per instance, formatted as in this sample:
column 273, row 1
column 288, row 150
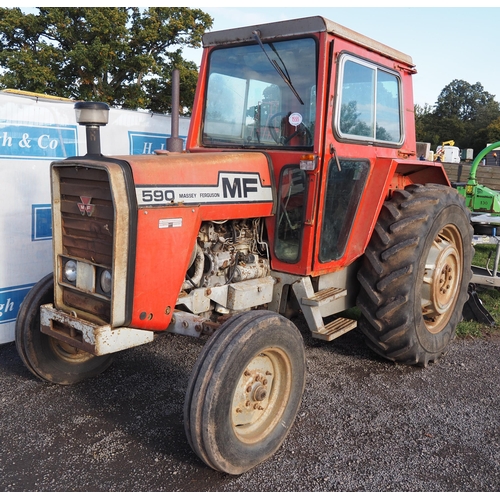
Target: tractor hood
column 212, row 179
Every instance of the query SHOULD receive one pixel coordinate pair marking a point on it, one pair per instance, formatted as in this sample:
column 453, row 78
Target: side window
column 369, row 102
column 290, row 220
column 312, row 107
column 343, row 193
column 388, row 114
column 358, row 100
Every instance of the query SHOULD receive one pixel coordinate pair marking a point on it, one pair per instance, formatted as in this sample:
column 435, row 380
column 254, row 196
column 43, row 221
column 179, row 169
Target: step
column 335, row 329
column 324, row 296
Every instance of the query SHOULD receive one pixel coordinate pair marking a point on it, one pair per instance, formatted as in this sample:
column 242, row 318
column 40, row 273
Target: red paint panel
column 195, row 169
column 162, row 258
column 167, row 231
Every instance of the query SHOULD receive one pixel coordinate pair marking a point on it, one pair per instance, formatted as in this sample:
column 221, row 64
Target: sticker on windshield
column 295, row 119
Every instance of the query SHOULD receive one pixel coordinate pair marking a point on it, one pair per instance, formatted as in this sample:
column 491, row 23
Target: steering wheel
column 275, row 131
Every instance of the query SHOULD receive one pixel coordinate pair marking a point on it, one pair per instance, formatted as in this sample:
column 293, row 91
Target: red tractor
column 299, row 191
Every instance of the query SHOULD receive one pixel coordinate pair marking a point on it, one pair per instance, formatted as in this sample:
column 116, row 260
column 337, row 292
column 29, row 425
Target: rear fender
column 411, row 172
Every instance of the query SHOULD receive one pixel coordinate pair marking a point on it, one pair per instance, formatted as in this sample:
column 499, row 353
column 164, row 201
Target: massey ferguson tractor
column 299, row 191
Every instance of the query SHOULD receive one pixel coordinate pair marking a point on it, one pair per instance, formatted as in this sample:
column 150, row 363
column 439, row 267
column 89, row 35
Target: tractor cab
column 332, row 110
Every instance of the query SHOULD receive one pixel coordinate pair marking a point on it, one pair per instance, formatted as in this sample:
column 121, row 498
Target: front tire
column 46, row 357
column 245, row 391
column 415, row 274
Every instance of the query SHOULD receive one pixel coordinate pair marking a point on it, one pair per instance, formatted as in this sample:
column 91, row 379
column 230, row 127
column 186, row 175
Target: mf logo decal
column 241, row 187
column 85, row 206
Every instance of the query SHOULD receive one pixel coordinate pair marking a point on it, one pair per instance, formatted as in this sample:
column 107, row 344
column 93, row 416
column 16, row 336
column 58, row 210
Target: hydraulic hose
column 479, row 157
column 198, row 270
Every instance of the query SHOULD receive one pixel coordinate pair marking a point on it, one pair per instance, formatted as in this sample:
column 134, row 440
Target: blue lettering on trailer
column 10, row 300
column 145, row 143
column 27, row 142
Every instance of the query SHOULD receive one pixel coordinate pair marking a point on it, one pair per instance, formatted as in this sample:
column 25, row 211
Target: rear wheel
column 46, row 357
column 245, row 391
column 415, row 274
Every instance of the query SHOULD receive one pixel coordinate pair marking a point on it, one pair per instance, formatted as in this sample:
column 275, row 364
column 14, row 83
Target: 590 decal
column 156, row 195
column 231, row 187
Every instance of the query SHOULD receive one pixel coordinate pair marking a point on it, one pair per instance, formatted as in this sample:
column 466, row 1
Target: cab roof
column 301, row 26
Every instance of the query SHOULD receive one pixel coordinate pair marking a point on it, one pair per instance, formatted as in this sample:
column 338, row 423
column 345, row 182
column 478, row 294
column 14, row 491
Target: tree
column 493, row 131
column 424, row 125
column 459, row 99
column 462, row 113
column 123, row 56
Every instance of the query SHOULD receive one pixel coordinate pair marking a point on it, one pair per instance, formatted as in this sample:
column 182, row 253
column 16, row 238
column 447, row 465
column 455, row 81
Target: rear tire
column 245, row 391
column 415, row 274
column 46, row 357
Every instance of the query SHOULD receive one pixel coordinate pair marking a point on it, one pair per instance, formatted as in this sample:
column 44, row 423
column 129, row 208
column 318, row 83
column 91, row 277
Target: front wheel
column 415, row 274
column 245, row 391
column 46, row 357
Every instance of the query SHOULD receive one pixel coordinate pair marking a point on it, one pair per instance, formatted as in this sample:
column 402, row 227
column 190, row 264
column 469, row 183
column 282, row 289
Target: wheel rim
column 442, row 278
column 261, row 395
column 67, row 352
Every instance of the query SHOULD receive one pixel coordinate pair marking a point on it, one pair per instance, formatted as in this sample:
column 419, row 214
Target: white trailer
column 35, row 130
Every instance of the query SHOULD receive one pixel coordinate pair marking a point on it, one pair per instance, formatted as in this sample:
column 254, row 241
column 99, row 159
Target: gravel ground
column 365, row 424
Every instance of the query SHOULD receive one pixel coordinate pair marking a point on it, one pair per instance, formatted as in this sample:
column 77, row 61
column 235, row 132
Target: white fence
column 34, row 131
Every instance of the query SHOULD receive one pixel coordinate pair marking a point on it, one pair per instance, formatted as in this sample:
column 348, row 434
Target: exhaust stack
column 174, row 143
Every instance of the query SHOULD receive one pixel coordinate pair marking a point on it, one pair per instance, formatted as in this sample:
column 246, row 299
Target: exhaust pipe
column 174, row 143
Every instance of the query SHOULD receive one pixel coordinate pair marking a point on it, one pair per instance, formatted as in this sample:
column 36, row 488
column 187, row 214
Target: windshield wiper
column 275, row 65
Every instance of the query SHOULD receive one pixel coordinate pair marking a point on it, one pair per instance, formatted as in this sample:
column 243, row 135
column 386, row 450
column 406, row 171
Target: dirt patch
column 365, row 424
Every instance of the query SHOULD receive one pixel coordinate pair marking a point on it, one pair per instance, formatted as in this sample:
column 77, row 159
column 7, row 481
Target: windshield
column 262, row 95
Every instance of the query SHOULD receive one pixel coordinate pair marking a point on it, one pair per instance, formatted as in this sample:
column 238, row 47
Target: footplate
column 335, row 329
column 87, row 336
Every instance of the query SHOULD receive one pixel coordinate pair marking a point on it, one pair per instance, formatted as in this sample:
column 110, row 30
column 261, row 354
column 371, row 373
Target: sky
column 445, row 42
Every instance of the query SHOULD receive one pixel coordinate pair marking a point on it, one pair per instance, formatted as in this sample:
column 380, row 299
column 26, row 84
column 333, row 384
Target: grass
column 489, row 296
column 484, row 256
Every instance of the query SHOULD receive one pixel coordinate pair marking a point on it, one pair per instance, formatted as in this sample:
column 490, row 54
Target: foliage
column 123, row 56
column 466, row 102
column 464, row 113
column 493, row 131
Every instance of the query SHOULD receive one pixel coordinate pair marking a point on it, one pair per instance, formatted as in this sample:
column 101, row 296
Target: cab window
column 262, row 96
column 343, row 194
column 369, row 102
column 290, row 219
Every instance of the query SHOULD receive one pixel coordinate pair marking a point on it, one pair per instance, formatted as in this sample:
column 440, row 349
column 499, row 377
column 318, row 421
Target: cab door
column 363, row 133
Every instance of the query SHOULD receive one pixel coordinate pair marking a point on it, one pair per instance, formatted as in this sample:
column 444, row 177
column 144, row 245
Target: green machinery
column 480, row 198
column 484, row 203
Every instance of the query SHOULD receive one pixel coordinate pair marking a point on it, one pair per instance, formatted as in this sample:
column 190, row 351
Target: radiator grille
column 83, row 236
column 88, row 237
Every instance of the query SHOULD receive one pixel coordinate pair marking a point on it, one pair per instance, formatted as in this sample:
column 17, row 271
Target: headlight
column 70, row 270
column 106, row 281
